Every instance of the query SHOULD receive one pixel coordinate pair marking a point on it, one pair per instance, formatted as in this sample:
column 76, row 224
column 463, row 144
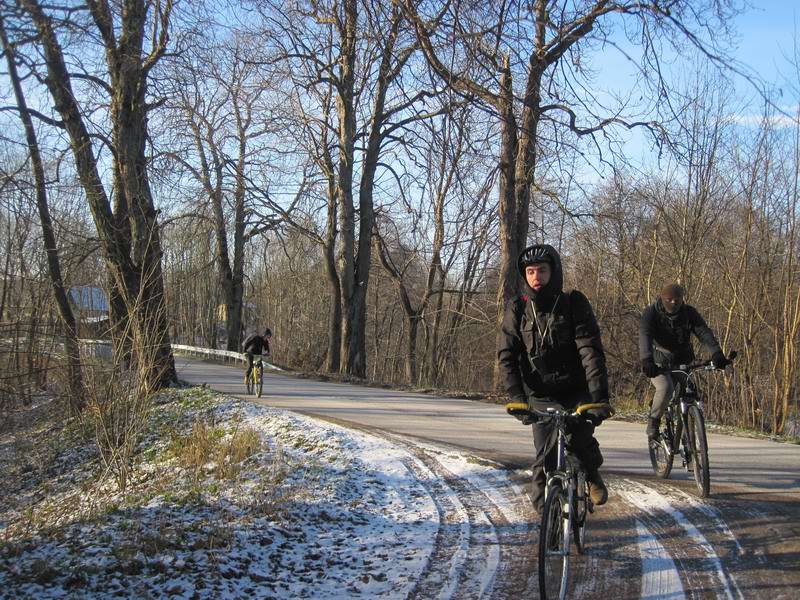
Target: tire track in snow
column 483, row 557
column 451, row 546
column 712, row 512
column 660, row 578
column 501, row 539
column 612, row 565
column 509, row 508
column 710, row 576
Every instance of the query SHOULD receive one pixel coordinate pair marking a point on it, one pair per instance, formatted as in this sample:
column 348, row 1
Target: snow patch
column 660, row 577
column 651, row 501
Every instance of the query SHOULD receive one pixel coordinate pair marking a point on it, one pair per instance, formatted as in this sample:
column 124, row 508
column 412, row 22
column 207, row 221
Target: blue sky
column 764, row 44
column 767, row 36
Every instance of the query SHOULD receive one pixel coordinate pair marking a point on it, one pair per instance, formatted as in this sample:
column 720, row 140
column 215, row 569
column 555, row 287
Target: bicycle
column 566, row 505
column 683, row 429
column 255, row 382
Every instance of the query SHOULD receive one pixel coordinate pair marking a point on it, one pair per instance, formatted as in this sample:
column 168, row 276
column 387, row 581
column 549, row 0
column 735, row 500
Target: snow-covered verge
column 228, row 499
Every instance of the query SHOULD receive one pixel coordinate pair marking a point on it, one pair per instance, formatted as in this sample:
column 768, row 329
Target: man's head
column 672, row 297
column 268, row 333
column 540, row 266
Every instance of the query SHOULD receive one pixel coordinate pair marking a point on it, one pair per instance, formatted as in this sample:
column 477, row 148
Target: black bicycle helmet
column 267, row 332
column 533, row 255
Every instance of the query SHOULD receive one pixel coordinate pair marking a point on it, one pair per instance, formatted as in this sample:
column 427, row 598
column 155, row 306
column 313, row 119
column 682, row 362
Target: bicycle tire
column 259, row 381
column 249, row 381
column 661, row 456
column 554, row 541
column 581, row 511
column 699, row 451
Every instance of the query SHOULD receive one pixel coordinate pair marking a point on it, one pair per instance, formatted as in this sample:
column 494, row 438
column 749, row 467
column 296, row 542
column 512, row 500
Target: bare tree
column 360, row 49
column 527, row 61
column 76, row 390
column 128, row 231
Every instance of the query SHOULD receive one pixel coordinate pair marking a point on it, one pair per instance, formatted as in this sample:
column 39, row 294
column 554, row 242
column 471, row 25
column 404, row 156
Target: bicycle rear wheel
column 554, row 541
column 259, row 381
column 699, row 450
column 661, row 455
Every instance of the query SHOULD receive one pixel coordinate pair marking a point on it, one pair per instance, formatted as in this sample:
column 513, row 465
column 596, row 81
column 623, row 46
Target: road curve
column 654, row 539
column 753, row 466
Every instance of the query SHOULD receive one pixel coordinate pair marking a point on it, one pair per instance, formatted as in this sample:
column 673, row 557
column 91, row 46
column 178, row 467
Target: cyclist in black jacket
column 255, row 345
column 665, row 331
column 550, row 353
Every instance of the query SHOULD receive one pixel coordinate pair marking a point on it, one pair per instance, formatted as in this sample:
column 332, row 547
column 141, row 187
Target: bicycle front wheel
column 580, row 512
column 699, row 450
column 554, row 541
column 259, row 381
column 249, row 380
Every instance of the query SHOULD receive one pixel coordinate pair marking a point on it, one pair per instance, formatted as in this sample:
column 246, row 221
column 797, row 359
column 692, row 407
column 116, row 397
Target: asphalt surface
column 751, row 467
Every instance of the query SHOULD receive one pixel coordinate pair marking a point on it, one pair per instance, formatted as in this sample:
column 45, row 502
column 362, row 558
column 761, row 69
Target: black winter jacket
column 549, row 344
column 666, row 338
column 255, row 344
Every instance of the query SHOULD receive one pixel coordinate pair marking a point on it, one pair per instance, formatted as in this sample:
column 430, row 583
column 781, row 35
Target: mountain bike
column 566, row 502
column 255, row 382
column 683, row 429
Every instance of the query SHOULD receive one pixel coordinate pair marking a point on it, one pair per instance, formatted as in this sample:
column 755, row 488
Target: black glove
column 523, row 415
column 719, row 361
column 598, row 415
column 649, row 367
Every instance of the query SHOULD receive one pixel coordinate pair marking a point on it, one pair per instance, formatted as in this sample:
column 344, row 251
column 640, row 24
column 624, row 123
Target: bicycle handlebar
column 522, row 408
column 706, row 365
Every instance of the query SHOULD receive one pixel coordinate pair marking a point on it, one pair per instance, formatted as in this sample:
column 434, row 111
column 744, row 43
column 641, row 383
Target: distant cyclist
column 665, row 342
column 256, row 345
column 550, row 354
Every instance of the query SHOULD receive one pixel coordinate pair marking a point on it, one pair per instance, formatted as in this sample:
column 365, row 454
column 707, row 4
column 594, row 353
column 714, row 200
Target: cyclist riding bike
column 665, row 343
column 550, row 355
column 255, row 345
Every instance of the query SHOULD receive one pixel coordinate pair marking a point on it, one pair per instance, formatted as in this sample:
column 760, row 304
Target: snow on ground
column 660, row 577
column 307, row 509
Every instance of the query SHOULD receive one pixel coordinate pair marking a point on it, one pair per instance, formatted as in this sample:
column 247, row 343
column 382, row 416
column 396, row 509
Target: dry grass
column 210, row 449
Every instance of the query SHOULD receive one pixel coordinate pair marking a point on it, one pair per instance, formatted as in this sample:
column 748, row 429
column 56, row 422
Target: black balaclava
column 556, row 283
column 671, row 290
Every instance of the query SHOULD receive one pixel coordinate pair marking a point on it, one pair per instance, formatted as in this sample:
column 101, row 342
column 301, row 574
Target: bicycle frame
column 255, row 379
column 570, row 473
column 683, row 398
column 684, row 430
column 566, row 505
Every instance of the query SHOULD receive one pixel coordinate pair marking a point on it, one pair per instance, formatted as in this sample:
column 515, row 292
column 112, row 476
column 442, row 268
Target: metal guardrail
column 212, row 353
column 204, row 352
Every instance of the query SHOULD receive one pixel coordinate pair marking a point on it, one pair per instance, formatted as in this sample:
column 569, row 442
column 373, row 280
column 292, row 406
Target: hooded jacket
column 666, row 338
column 256, row 344
column 549, row 344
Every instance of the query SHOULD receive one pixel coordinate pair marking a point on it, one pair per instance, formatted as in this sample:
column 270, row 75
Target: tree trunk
column 129, row 235
column 76, row 390
column 347, row 130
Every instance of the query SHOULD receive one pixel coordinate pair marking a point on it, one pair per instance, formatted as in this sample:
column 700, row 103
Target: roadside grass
column 191, row 455
column 220, row 491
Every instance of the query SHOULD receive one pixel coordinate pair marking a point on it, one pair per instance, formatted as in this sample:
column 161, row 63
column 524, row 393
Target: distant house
column 248, row 309
column 90, row 305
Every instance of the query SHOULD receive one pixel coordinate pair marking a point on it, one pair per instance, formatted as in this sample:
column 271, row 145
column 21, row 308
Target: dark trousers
column 580, row 441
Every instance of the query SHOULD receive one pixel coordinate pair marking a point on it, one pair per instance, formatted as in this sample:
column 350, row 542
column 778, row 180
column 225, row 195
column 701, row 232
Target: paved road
column 743, row 465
